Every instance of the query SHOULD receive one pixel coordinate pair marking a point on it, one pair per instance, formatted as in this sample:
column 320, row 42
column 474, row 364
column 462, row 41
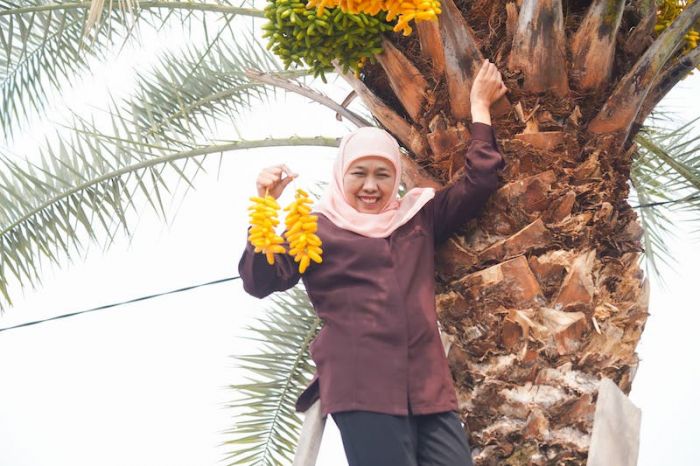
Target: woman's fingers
column 278, row 170
column 494, row 75
column 287, row 180
column 289, row 171
column 268, row 182
column 266, row 179
column 272, row 174
column 488, row 85
column 270, row 179
column 483, row 74
column 275, row 170
column 488, row 74
column 482, row 70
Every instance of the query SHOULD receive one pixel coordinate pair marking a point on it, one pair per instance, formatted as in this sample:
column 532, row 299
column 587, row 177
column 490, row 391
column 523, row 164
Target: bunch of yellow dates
column 304, row 244
column 404, row 10
column 667, row 11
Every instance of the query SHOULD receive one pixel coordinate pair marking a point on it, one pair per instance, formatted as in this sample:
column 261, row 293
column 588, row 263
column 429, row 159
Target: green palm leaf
column 90, row 180
column 87, row 183
column 268, row 428
column 38, row 47
column 42, row 47
column 185, row 94
column 665, row 175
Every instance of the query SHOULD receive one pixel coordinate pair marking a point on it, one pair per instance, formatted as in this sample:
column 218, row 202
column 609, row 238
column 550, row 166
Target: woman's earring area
column 402, row 190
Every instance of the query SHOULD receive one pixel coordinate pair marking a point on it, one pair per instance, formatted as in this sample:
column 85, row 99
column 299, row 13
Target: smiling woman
column 381, row 370
column 368, row 183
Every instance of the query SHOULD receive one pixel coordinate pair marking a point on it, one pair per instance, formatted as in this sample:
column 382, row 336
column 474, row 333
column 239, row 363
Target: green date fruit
column 302, row 36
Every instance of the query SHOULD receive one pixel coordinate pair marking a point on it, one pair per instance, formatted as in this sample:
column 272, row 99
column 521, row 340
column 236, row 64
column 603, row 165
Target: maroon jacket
column 379, row 348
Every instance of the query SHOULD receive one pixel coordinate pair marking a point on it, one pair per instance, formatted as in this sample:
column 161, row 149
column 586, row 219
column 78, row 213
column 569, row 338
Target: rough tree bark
column 542, row 296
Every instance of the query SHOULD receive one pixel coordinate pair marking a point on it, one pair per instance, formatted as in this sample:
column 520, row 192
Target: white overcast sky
column 146, row 383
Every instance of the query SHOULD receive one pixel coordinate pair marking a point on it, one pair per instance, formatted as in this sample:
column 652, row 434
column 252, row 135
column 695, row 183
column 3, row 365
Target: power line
column 106, row 306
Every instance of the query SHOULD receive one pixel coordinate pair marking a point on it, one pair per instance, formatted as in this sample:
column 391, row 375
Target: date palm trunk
column 542, row 297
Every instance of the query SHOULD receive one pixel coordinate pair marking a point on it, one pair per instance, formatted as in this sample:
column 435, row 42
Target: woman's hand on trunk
column 487, row 88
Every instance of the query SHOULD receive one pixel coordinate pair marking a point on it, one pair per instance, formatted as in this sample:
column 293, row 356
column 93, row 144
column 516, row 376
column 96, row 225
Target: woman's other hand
column 487, row 88
column 270, row 178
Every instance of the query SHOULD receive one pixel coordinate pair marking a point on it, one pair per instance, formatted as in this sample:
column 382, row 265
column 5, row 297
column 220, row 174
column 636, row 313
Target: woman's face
column 368, row 183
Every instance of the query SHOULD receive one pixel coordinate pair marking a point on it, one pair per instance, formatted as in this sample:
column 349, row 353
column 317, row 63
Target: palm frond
column 302, row 89
column 38, row 47
column 657, row 229
column 88, row 181
column 42, row 47
column 184, row 92
column 268, row 428
column 665, row 175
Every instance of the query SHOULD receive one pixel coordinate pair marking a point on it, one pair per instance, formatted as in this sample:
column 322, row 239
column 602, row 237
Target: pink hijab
column 359, row 143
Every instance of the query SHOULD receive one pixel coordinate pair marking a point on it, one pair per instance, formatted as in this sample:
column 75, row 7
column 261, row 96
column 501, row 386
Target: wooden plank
column 616, row 424
column 311, row 436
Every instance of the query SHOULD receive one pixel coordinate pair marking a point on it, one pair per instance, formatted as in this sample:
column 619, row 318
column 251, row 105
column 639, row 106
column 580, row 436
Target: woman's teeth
column 369, row 200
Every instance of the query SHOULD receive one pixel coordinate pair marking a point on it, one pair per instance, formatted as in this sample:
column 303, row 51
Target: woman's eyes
column 383, row 175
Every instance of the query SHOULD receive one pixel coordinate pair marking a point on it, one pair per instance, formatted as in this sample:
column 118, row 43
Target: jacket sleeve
column 454, row 205
column 260, row 278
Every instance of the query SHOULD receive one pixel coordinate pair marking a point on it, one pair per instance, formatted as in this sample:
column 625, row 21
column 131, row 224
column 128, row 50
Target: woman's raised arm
column 454, row 205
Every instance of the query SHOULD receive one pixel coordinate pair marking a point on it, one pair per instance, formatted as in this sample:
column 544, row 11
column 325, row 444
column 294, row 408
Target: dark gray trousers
column 377, row 439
